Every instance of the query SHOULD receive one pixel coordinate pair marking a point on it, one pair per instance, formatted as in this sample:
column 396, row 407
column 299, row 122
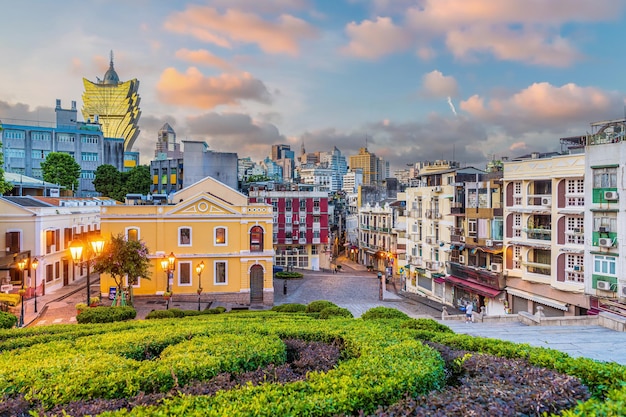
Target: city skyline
column 415, row 80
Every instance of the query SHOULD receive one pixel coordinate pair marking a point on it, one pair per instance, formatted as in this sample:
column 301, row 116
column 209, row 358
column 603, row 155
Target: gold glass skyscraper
column 114, row 104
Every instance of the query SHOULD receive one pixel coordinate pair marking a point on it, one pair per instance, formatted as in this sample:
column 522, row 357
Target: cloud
column 511, row 30
column 19, row 113
column 281, row 36
column 202, row 57
column 193, row 89
column 435, row 84
column 265, row 6
column 235, row 132
column 544, row 107
column 374, row 39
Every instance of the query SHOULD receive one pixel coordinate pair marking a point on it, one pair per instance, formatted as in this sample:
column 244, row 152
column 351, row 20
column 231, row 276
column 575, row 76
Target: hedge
column 105, row 314
column 288, row 275
column 7, row 320
column 319, row 305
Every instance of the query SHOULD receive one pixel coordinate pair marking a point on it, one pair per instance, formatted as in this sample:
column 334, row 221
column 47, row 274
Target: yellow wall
column 159, row 228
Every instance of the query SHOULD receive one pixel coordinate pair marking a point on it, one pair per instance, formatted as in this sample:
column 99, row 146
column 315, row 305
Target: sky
column 413, row 80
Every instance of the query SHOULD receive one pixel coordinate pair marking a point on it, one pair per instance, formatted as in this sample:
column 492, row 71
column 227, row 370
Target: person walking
column 469, row 309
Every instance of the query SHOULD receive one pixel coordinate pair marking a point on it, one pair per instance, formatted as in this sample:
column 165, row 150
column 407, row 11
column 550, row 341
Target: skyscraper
column 368, row 163
column 114, row 104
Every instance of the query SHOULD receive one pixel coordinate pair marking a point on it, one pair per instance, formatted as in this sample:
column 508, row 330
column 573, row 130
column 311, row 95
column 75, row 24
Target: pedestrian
column 335, row 270
column 469, row 317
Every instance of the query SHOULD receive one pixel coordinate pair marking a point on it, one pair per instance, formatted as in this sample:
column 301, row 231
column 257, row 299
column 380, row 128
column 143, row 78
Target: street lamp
column 21, row 265
column 199, row 269
column 76, row 249
column 97, row 247
column 168, row 267
column 34, row 264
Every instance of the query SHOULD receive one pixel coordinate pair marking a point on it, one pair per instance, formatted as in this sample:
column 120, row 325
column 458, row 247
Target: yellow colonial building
column 221, row 245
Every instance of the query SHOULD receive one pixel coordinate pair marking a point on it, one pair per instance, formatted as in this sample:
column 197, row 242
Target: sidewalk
column 43, row 300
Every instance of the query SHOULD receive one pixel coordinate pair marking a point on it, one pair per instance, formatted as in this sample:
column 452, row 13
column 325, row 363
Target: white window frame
column 609, row 174
column 215, row 263
column 605, row 263
column 472, row 227
column 179, row 274
column 180, row 243
column 132, row 228
column 225, row 236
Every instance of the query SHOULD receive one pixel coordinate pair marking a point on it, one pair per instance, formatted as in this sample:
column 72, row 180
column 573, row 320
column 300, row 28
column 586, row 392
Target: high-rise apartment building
column 114, row 104
column 368, row 163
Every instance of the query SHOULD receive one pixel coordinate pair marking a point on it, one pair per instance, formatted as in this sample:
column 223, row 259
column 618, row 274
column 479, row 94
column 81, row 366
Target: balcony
column 457, row 208
column 316, row 240
column 539, row 234
column 479, row 275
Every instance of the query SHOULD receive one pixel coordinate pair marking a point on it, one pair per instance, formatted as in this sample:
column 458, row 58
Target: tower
column 114, row 104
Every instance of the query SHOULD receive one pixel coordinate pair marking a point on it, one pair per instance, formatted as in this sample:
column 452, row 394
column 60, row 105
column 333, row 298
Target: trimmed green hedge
column 319, row 305
column 7, row 320
column 384, row 313
column 10, row 299
column 106, row 314
column 288, row 275
column 330, row 312
column 290, row 308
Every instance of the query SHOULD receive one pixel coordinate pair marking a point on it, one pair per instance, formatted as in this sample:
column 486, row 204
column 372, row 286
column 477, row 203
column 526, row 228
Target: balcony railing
column 539, row 234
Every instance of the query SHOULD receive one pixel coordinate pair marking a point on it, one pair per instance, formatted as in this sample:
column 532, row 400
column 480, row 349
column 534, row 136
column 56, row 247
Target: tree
column 108, row 181
column 124, row 258
column 4, row 185
column 137, row 180
column 114, row 184
column 61, row 168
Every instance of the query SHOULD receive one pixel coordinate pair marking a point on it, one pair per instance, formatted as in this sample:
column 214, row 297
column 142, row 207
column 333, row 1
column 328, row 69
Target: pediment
column 203, row 205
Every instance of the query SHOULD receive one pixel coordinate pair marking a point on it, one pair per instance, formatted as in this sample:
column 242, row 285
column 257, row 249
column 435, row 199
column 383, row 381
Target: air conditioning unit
column 417, row 260
column 605, row 242
column 429, row 265
column 429, row 214
column 603, row 229
column 496, row 267
column 438, row 215
column 429, row 240
column 462, row 238
column 604, row 285
column 437, row 189
column 578, row 268
column 461, row 259
column 488, row 242
column 546, row 201
column 610, row 195
column 577, row 230
column 622, row 292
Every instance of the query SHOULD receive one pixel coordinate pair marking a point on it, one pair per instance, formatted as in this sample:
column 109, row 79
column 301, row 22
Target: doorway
column 256, row 284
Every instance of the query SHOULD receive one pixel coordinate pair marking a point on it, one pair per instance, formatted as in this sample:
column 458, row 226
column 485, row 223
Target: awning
column 473, row 286
column 538, row 299
column 439, row 280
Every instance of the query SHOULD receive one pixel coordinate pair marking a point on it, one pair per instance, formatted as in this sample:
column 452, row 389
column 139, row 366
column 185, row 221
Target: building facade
column 113, row 104
column 544, row 238
column 25, row 147
column 301, row 224
column 368, row 163
column 209, row 224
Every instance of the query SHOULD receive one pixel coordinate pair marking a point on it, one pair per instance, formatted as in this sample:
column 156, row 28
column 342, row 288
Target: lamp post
column 34, row 264
column 199, row 269
column 76, row 250
column 97, row 246
column 168, row 267
column 21, row 265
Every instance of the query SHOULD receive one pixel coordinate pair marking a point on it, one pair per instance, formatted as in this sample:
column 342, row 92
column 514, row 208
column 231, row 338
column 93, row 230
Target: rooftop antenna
column 111, row 54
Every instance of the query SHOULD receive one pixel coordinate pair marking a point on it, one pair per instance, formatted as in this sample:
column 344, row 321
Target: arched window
column 132, row 233
column 256, row 239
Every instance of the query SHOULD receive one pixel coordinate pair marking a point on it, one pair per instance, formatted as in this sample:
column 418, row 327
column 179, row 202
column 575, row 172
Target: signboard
column 112, row 293
column 6, row 288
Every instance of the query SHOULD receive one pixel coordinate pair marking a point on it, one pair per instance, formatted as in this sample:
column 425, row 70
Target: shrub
column 160, row 314
column 216, row 310
column 7, row 320
column 290, row 308
column 81, row 306
column 319, row 305
column 289, row 275
column 106, row 314
column 177, row 312
column 329, row 312
column 383, row 313
column 10, row 299
column 426, row 324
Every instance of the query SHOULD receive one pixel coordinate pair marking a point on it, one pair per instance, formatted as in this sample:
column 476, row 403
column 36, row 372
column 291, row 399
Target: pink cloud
column 202, row 57
column 435, row 84
column 373, row 39
column 193, row 89
column 517, row 146
column 281, row 36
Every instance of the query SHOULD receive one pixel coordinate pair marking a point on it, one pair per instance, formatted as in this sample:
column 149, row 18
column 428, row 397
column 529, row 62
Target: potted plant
column 22, row 292
column 94, row 301
column 80, row 307
column 167, row 295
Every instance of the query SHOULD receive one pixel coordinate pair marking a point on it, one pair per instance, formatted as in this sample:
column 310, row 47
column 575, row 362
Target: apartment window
column 256, row 239
column 220, row 236
column 605, row 177
column 89, row 157
column 605, row 265
column 274, row 204
column 132, row 233
column 88, row 175
column 575, row 230
column 14, row 153
column 316, row 234
column 303, row 219
column 315, row 250
column 44, row 136
column 606, row 221
column 575, row 186
column 220, row 273
column 288, row 218
column 574, row 268
column 316, row 204
column 288, row 203
column 302, row 205
column 49, row 273
column 13, row 242
column 517, row 257
column 14, row 134
column 65, row 138
column 472, row 227
column 39, row 154
column 50, row 240
column 184, row 274
column 89, row 139
column 184, row 236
